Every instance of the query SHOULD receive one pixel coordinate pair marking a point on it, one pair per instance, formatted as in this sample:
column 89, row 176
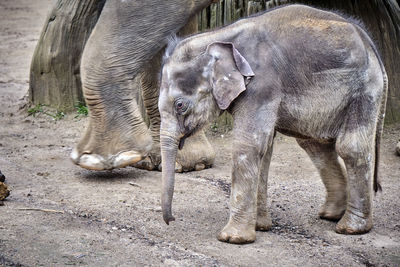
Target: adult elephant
column 125, row 46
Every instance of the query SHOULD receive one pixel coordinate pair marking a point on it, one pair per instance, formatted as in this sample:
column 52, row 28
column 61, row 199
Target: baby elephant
column 303, row 72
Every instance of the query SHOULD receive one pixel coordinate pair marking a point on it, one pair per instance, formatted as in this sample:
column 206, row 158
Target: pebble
column 2, row 177
column 4, row 192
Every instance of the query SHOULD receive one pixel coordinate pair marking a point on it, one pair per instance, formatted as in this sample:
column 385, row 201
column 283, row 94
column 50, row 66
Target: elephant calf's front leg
column 264, row 222
column 243, row 201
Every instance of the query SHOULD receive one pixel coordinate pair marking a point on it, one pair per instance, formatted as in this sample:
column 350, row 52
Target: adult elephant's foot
column 153, row 160
column 97, row 162
column 237, row 234
column 197, row 154
column 102, row 149
column 353, row 223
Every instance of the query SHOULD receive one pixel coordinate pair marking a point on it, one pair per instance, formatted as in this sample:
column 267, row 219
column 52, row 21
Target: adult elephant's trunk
column 169, row 137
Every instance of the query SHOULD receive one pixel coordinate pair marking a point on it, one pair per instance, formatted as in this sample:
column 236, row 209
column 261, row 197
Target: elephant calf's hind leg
column 355, row 149
column 332, row 173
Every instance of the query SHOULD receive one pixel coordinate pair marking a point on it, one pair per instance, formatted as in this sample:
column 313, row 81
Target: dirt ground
column 59, row 214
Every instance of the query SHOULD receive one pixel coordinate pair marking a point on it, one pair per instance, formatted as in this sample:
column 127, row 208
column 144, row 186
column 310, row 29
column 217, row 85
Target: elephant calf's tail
column 379, row 131
column 379, row 126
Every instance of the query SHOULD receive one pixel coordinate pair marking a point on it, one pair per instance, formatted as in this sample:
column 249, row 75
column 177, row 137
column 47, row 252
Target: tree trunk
column 55, row 74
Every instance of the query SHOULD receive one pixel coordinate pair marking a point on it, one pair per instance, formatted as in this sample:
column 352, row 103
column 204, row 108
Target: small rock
column 2, row 177
column 4, row 192
column 44, row 174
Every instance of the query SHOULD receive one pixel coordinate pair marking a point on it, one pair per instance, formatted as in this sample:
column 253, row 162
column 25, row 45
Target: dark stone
column 2, row 177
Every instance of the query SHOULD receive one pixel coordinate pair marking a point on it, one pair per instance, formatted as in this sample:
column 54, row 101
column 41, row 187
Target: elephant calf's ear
column 229, row 71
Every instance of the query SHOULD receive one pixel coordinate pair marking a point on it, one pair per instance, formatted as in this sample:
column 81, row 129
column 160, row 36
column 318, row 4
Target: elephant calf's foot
column 98, row 162
column 352, row 224
column 237, row 234
column 332, row 212
column 264, row 222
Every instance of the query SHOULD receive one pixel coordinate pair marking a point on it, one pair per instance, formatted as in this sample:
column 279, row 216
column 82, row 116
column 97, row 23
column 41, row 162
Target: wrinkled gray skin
column 123, row 49
column 297, row 70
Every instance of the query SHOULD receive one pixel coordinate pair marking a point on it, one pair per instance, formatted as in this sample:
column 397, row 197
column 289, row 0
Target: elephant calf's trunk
column 169, row 147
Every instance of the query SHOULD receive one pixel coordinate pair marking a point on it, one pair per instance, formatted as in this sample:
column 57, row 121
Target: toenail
column 74, row 156
column 91, row 162
column 126, row 158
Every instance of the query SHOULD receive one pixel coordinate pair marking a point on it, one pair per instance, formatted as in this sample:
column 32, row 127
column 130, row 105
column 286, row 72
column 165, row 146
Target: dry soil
column 59, row 214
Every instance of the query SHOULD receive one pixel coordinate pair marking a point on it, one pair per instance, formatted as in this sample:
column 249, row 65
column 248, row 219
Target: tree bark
column 55, row 74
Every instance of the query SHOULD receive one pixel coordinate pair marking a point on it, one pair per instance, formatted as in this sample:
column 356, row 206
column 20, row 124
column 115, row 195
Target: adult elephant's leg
column 332, row 172
column 150, row 92
column 128, row 34
column 116, row 135
column 197, row 153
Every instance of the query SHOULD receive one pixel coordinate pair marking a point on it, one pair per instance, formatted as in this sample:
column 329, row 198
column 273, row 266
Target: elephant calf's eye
column 181, row 106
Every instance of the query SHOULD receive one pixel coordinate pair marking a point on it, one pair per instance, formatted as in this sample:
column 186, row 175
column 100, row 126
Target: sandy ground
column 58, row 214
